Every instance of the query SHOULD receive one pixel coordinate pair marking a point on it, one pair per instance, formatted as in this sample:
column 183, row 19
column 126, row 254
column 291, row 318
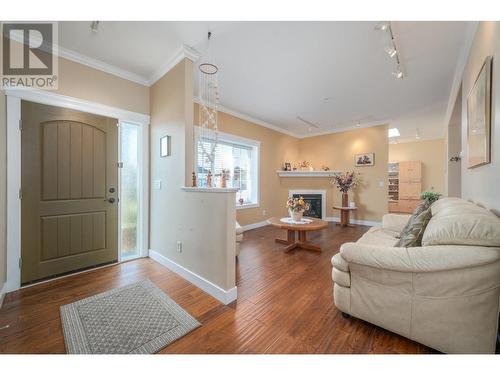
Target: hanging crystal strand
column 208, row 121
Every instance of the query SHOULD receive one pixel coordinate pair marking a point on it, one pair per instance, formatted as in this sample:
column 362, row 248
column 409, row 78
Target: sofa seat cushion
column 379, row 236
column 462, row 223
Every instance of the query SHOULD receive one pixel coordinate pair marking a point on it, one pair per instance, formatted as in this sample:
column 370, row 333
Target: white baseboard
column 254, row 225
column 358, row 222
column 225, row 296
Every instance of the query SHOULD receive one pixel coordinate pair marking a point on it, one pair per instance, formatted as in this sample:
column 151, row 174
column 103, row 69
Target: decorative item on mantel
column 306, row 166
column 344, row 182
column 325, row 168
column 296, row 208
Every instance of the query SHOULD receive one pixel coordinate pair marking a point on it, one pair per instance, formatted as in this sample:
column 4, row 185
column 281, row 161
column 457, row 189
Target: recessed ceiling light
column 393, row 132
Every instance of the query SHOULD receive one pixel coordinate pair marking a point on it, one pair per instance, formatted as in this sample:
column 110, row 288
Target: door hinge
column 120, row 164
column 20, row 124
column 20, row 263
column 20, row 194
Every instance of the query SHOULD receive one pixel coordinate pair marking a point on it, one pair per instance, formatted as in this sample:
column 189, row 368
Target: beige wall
column 3, row 187
column 202, row 221
column 337, row 150
column 431, row 154
column 275, row 149
column 86, row 83
column 481, row 184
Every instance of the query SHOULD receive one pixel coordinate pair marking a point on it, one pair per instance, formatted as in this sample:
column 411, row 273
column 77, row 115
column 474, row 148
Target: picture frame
column 479, row 118
column 287, row 167
column 364, row 160
column 165, row 146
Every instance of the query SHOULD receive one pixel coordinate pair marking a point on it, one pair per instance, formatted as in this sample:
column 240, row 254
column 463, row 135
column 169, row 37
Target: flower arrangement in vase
column 344, row 182
column 296, row 207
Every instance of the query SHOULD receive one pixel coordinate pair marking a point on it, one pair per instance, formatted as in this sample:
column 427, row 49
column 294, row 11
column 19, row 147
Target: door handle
column 110, row 200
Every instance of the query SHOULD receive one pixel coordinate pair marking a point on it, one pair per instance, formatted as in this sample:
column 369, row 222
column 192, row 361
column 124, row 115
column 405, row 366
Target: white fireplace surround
column 323, row 198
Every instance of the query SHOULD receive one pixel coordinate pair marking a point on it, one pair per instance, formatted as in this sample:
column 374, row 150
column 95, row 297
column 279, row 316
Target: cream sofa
column 444, row 294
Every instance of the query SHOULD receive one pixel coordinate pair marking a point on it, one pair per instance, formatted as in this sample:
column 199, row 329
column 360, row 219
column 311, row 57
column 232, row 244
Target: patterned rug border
column 74, row 335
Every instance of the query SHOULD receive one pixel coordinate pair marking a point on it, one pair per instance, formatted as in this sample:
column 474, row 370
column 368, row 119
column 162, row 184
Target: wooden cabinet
column 409, row 177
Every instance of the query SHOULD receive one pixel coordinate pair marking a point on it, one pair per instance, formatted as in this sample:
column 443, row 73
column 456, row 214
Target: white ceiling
column 332, row 74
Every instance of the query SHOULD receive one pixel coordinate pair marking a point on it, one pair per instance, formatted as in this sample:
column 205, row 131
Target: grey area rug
column 136, row 319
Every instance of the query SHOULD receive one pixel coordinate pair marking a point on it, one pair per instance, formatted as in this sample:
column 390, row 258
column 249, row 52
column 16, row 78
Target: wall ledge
column 209, row 190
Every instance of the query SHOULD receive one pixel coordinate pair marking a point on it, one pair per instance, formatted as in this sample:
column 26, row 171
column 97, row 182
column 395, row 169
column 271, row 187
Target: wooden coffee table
column 301, row 242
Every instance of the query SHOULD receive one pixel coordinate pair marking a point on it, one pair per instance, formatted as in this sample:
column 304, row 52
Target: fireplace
column 315, row 204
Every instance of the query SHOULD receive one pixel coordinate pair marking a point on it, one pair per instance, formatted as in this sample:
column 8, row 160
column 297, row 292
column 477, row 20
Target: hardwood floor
column 284, row 304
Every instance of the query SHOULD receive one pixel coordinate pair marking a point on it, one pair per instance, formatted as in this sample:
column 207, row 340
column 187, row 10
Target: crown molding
column 242, row 116
column 93, row 63
column 102, row 66
column 345, row 129
column 183, row 52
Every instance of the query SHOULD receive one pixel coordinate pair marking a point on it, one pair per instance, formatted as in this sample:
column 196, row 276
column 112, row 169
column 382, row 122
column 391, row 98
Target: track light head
column 398, row 74
column 94, row 26
column 392, row 52
column 383, row 26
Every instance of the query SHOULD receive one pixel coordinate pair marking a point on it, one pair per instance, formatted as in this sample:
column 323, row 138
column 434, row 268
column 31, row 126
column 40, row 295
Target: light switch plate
column 157, row 184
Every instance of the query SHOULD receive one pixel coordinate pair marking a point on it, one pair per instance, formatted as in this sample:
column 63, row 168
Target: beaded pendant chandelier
column 209, row 100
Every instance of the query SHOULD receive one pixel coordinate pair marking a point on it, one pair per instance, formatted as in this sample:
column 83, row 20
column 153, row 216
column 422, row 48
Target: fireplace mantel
column 306, row 173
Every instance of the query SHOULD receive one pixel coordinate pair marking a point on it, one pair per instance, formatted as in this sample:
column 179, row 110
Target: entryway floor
column 284, row 305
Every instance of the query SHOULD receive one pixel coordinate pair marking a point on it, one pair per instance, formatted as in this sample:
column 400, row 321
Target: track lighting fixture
column 391, row 50
column 383, row 26
column 94, row 26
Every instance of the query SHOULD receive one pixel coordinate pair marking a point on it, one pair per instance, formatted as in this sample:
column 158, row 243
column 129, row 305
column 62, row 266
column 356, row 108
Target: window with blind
column 239, row 158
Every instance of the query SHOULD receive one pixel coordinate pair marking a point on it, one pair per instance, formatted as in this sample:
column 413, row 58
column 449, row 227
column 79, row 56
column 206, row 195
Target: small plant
column 431, row 196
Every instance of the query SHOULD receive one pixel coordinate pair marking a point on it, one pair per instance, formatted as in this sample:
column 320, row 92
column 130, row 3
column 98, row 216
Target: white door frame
column 14, row 97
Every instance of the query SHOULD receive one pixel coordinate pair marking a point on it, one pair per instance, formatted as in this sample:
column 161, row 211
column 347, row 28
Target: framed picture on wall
column 479, row 118
column 364, row 160
column 165, row 146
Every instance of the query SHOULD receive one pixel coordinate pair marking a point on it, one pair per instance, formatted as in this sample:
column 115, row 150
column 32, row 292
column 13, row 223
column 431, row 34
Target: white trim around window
column 243, row 141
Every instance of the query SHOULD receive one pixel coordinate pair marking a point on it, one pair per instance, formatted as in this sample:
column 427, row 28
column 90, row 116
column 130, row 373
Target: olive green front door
column 69, row 180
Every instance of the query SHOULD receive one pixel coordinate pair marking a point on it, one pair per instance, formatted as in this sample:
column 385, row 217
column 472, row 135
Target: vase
column 296, row 215
column 345, row 200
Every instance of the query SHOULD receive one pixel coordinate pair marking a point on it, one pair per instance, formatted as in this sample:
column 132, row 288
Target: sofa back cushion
column 459, row 222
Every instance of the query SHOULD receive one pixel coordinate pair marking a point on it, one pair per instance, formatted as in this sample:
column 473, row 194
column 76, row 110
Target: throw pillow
column 422, row 206
column 413, row 236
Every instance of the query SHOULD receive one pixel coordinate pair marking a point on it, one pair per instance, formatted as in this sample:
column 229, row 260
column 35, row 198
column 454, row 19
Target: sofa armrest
column 419, row 259
column 394, row 222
